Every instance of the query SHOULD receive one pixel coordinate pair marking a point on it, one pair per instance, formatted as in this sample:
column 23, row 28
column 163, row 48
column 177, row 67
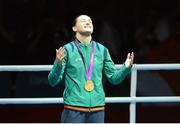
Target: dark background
column 31, row 30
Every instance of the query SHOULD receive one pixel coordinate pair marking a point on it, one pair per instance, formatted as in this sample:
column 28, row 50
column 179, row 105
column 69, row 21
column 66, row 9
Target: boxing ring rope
column 108, row 100
column 132, row 100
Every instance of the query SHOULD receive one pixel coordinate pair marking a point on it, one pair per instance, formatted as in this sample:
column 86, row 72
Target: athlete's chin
column 86, row 33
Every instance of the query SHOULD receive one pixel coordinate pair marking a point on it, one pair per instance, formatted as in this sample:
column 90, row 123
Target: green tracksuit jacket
column 73, row 72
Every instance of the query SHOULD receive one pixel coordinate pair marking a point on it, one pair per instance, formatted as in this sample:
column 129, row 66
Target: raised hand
column 60, row 54
column 129, row 60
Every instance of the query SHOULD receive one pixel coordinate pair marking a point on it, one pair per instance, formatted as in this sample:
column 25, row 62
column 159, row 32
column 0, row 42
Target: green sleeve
column 114, row 75
column 56, row 74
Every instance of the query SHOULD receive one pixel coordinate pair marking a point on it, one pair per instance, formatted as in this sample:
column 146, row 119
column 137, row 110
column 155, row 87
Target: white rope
column 25, row 67
column 107, row 100
column 173, row 66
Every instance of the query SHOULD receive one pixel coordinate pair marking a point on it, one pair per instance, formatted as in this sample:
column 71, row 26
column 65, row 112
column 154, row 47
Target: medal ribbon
column 88, row 71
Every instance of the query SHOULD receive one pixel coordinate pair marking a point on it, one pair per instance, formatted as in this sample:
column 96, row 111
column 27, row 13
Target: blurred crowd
column 30, row 31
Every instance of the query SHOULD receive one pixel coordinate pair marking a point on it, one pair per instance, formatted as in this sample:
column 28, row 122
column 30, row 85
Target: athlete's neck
column 84, row 39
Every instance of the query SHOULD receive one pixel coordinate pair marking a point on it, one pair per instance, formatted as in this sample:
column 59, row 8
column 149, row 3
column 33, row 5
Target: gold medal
column 89, row 85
